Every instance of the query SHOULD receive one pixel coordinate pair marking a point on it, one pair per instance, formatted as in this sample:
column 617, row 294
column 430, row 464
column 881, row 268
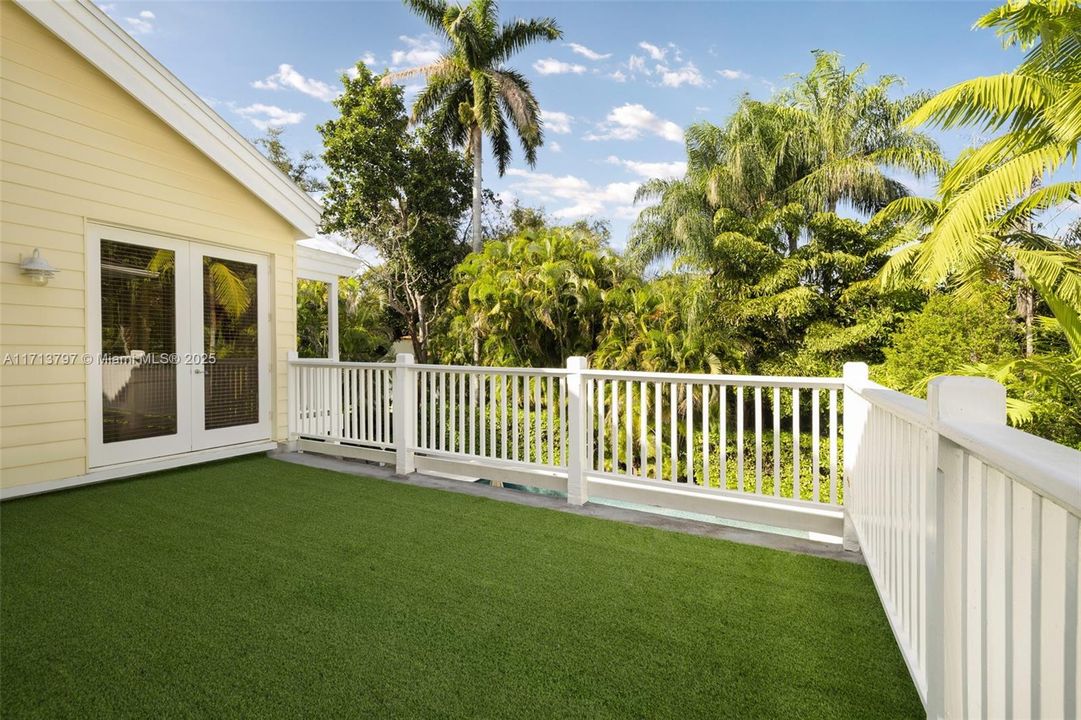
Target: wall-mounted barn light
column 37, row 268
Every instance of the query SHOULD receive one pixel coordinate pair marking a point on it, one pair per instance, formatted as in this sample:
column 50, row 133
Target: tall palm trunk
column 478, row 243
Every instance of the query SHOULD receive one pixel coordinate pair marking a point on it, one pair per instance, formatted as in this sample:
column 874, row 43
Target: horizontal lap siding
column 74, row 148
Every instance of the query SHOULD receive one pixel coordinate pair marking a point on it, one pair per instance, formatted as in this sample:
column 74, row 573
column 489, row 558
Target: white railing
column 758, row 449
column 970, row 531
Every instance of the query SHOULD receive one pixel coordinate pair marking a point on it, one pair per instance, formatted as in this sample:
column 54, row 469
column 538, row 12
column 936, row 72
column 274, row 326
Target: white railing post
column 577, row 493
column 962, row 399
column 854, row 418
column 291, row 401
column 405, row 413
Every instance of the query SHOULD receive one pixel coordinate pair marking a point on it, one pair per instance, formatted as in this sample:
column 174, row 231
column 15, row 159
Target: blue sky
column 617, row 90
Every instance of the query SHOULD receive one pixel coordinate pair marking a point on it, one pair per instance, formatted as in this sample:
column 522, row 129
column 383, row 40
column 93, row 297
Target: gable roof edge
column 92, row 34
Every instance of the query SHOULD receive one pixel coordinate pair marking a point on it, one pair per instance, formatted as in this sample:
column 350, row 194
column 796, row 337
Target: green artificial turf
column 259, row 588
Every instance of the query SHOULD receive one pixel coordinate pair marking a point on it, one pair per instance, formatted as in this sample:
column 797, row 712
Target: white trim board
column 141, row 467
column 92, row 34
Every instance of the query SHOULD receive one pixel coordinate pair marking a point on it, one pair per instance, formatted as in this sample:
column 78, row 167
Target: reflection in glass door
column 229, row 330
column 231, row 342
column 138, row 338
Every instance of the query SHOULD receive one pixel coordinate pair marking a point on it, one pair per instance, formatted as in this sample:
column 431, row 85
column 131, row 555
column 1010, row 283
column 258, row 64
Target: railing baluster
column 688, row 416
column 777, row 442
column 658, row 456
column 615, row 426
column 705, row 437
column 600, row 424
column 628, row 440
column 553, row 405
column 814, row 444
column 462, row 403
column 503, row 402
column 514, row 416
column 739, row 439
column 388, row 428
column 758, row 440
column 673, row 406
column 795, row 444
column 537, row 415
column 723, row 436
column 643, row 428
column 833, row 446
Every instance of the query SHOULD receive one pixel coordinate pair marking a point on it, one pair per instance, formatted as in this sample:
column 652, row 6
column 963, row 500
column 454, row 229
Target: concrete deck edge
column 641, row 518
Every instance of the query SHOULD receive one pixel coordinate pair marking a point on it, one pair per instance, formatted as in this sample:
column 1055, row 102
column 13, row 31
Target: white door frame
column 101, row 453
column 260, row 430
column 191, row 434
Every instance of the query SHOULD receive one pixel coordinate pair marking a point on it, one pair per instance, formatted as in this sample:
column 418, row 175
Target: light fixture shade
column 37, row 268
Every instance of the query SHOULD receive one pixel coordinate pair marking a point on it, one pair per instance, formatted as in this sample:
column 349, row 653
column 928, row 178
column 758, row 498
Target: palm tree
column 829, row 138
column 989, row 197
column 470, row 93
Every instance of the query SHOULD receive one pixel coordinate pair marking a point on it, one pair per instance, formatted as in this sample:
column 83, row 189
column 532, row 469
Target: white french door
column 231, row 342
column 180, row 335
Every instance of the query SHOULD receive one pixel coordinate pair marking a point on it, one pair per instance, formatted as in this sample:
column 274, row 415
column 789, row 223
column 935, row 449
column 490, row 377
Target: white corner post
column 292, row 387
column 577, row 493
column 333, row 333
column 404, row 413
column 853, row 421
column 950, row 400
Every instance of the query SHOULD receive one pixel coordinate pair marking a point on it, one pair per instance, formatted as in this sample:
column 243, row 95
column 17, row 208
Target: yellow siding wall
column 74, row 147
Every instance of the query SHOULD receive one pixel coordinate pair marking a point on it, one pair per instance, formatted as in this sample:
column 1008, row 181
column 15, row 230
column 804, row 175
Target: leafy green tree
column 301, row 169
column 532, row 299
column 830, row 138
column 399, row 192
column 470, row 93
column 946, row 335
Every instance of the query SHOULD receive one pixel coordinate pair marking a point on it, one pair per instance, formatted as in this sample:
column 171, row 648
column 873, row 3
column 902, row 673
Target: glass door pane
column 231, row 343
column 138, row 342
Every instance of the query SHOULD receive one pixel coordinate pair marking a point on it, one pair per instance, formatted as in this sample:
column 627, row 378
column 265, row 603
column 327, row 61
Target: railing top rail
column 1047, row 468
column 709, row 378
column 912, row 409
column 325, row 362
column 484, row 370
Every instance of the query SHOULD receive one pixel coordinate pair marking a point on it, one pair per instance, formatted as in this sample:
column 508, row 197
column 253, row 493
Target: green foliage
column 533, row 299
column 300, row 170
column 401, row 193
column 364, row 335
column 946, row 335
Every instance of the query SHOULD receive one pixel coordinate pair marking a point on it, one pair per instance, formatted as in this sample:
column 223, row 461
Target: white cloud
column 107, row 8
column 555, row 147
column 579, row 197
column 288, row 77
column 587, row 52
column 637, row 64
column 677, row 77
column 420, row 50
column 557, row 122
column 264, row 116
column 665, row 170
column 631, row 121
column 141, row 25
column 618, row 76
column 368, row 58
column 655, row 52
column 551, row 66
column 733, row 74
